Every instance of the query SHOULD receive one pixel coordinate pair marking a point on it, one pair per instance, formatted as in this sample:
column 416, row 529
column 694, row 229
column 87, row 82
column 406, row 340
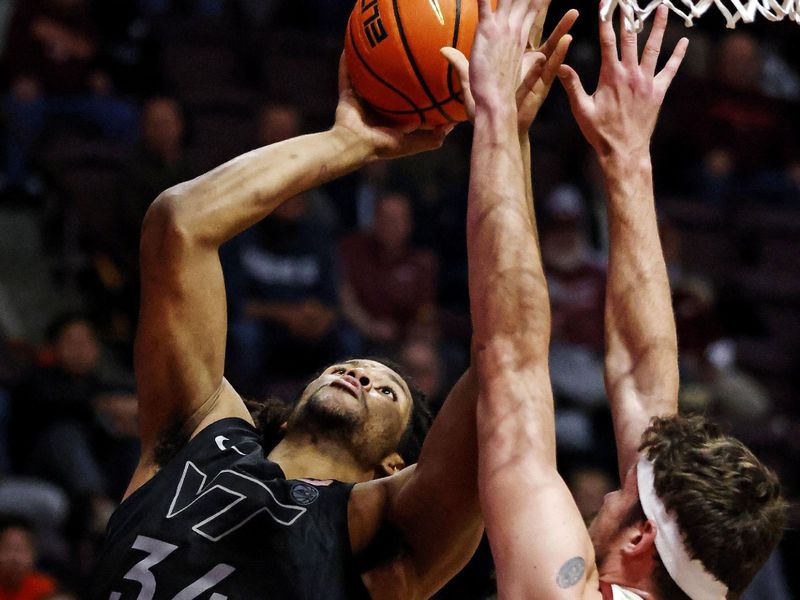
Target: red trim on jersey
column 606, row 591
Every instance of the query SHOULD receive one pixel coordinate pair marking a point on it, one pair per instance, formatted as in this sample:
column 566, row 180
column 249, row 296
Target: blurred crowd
column 106, row 104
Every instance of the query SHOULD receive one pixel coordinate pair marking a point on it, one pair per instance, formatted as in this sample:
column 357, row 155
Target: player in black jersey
column 207, row 514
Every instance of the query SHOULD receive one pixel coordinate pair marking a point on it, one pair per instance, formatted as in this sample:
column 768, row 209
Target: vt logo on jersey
column 227, row 502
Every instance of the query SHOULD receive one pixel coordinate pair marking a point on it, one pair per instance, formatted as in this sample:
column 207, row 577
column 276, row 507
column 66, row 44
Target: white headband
column 690, row 575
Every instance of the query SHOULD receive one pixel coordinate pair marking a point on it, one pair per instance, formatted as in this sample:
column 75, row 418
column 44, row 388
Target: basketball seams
column 420, row 109
column 456, row 27
column 414, row 108
column 412, row 62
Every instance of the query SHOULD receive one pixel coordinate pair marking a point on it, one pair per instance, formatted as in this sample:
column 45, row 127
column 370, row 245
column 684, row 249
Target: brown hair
column 728, row 505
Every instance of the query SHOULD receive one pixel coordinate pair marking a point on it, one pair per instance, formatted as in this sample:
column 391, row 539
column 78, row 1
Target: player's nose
column 361, row 376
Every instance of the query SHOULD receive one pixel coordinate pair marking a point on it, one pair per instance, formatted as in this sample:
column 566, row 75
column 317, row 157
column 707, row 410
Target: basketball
column 392, row 53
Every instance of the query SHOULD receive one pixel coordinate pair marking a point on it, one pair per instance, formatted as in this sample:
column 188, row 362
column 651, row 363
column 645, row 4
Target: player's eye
column 387, row 391
column 339, row 371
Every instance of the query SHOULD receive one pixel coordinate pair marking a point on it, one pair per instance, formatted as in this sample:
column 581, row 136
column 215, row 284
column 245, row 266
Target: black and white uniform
column 221, row 522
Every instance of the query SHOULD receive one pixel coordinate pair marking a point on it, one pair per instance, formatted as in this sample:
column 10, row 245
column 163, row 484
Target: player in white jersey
column 697, row 514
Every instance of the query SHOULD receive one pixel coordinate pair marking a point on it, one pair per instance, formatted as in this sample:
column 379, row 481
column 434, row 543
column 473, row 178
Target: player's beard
column 327, row 417
column 600, row 548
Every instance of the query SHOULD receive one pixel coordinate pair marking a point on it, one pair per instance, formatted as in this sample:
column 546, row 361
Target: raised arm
column 180, row 344
column 540, row 545
column 434, row 506
column 641, row 363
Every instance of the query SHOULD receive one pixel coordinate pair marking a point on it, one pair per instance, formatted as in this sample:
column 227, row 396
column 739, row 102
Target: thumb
column 460, row 63
column 572, row 85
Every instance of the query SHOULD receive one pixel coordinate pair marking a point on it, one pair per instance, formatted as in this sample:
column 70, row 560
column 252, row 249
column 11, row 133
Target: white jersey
column 623, row 594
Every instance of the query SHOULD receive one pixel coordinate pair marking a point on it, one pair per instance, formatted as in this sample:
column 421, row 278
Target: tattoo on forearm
column 571, row 572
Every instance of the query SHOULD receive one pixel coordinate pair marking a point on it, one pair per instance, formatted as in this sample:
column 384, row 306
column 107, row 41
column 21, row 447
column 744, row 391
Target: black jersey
column 220, row 521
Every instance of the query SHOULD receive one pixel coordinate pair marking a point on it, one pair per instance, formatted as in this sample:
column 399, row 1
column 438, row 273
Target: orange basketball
column 392, row 52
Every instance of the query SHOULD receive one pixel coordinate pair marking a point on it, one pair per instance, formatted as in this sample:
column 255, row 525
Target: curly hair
column 270, row 414
column 728, row 505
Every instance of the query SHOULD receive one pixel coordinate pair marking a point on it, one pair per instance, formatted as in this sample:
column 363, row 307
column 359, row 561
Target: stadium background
column 105, row 104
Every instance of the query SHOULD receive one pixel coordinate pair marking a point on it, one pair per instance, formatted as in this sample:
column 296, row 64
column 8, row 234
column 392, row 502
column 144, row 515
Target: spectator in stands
column 115, row 437
column 5, row 18
column 770, row 582
column 712, row 381
column 745, row 137
column 387, row 284
column 576, row 277
column 19, row 579
column 159, row 162
column 61, row 390
column 422, row 362
column 589, row 486
column 53, row 410
column 278, row 122
column 8, row 374
column 282, row 277
column 50, row 63
column 203, row 8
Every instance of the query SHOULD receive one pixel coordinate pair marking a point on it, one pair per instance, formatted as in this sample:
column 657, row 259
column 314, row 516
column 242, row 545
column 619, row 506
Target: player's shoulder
column 220, row 444
column 220, row 440
column 370, row 503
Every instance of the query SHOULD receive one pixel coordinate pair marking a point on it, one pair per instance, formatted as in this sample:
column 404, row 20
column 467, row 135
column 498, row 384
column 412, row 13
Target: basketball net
column 733, row 10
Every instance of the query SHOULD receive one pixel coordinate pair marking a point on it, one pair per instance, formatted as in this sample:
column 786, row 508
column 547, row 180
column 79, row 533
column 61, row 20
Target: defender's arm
column 435, row 505
column 540, row 546
column 641, row 365
column 641, row 362
column 431, row 508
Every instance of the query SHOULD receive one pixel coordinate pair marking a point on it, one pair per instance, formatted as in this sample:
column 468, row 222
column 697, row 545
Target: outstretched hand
column 620, row 117
column 533, row 92
column 500, row 67
column 538, row 68
column 383, row 142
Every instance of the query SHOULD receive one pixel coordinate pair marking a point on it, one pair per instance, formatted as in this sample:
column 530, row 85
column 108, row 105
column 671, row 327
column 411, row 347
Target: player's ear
column 390, row 465
column 284, row 426
column 641, row 539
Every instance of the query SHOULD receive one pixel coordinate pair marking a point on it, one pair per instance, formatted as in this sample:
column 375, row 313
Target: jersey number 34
column 158, row 551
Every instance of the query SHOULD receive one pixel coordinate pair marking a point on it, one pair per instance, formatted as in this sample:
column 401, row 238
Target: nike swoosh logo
column 220, row 439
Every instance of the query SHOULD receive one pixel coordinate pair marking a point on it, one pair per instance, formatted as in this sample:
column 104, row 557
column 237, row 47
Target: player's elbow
column 164, row 229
